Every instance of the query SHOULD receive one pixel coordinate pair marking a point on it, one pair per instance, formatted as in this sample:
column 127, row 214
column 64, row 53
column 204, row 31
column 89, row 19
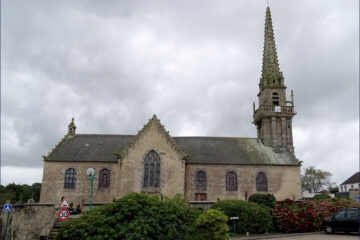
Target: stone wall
column 52, row 189
column 283, row 181
column 29, row 221
column 172, row 176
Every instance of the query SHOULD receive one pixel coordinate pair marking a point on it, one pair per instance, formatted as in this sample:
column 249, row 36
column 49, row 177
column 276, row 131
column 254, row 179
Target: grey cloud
column 195, row 64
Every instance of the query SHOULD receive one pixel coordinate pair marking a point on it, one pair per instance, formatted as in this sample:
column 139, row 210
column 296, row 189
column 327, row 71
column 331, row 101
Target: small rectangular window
column 200, row 196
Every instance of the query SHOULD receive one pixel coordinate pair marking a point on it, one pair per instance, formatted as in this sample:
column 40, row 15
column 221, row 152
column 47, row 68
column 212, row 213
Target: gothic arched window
column 261, row 182
column 70, row 178
column 104, row 178
column 152, row 170
column 200, row 180
column 231, row 181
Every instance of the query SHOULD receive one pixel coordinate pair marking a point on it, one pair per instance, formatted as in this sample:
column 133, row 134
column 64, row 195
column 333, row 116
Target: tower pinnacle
column 270, row 75
column 71, row 128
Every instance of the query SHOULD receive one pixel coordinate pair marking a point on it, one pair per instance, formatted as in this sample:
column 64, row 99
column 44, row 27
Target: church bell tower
column 273, row 118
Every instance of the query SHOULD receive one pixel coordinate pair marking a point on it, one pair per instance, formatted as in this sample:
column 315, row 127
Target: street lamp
column 91, row 172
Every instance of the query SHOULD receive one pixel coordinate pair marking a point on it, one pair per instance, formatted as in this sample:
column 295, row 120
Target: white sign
column 234, row 218
column 64, row 203
column 7, row 208
column 63, row 214
column 277, row 108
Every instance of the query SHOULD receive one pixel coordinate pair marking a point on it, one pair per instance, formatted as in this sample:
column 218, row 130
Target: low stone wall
column 29, row 221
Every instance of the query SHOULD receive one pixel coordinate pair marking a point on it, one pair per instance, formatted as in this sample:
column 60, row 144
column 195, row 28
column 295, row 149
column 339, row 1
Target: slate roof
column 353, row 179
column 202, row 150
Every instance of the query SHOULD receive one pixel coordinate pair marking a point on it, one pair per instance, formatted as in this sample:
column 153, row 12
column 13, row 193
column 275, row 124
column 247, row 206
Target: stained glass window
column 200, row 180
column 231, row 181
column 104, row 178
column 152, row 169
column 70, row 178
column 261, row 182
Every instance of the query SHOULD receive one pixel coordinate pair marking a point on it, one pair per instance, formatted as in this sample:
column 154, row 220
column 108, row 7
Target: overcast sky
column 195, row 64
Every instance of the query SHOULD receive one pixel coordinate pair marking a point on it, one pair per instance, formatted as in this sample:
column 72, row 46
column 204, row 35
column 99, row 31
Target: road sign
column 7, row 208
column 357, row 198
column 63, row 214
column 234, row 218
column 64, row 203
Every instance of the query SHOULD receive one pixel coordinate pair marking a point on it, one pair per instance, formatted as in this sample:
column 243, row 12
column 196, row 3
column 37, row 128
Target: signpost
column 234, row 218
column 63, row 214
column 7, row 208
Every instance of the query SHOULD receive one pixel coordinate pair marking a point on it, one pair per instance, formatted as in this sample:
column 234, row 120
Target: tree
column 314, row 180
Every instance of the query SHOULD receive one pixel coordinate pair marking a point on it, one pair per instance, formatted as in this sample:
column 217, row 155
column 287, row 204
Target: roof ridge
column 355, row 177
column 213, row 137
column 133, row 135
column 100, row 134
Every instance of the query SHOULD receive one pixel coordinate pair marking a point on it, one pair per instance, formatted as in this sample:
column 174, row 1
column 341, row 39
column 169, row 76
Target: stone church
column 202, row 169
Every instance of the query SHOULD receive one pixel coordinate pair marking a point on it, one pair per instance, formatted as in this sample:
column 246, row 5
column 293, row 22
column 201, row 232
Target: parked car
column 344, row 221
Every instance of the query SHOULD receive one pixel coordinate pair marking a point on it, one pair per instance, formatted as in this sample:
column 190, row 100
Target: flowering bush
column 307, row 216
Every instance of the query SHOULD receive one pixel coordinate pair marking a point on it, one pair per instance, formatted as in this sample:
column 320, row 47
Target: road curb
column 274, row 236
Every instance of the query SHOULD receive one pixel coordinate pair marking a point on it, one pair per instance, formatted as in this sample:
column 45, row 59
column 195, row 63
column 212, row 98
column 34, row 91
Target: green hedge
column 253, row 218
column 265, row 199
column 211, row 225
column 134, row 217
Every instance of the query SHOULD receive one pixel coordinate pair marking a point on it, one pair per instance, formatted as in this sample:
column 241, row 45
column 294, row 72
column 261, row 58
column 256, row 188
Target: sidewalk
column 280, row 235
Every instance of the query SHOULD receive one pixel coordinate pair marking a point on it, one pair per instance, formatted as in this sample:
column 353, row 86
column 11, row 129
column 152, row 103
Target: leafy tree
column 334, row 189
column 35, row 190
column 21, row 193
column 314, row 180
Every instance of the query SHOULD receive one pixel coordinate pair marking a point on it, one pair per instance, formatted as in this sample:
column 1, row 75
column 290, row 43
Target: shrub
column 253, row 218
column 321, row 197
column 307, row 216
column 340, row 196
column 266, row 199
column 212, row 225
column 134, row 216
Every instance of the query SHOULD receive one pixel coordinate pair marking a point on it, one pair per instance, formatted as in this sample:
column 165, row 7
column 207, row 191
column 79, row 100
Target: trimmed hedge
column 253, row 218
column 265, row 199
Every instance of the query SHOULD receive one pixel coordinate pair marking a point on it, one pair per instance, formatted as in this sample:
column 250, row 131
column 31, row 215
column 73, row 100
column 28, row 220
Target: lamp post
column 91, row 173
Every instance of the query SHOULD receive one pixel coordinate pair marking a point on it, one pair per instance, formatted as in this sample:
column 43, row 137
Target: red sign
column 63, row 214
column 64, row 203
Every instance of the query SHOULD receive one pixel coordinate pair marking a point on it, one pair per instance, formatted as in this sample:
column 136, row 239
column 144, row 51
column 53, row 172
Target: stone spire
column 273, row 118
column 270, row 75
column 71, row 128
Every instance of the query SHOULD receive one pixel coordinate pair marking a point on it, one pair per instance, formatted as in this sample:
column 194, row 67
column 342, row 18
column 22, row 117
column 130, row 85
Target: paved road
column 318, row 236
